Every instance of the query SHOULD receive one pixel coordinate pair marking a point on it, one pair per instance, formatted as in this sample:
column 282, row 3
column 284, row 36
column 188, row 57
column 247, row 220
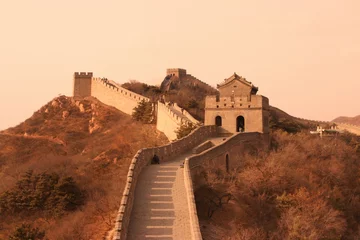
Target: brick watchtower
column 82, row 84
column 237, row 108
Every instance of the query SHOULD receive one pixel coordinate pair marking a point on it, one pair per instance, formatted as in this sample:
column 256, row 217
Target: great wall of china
column 158, row 199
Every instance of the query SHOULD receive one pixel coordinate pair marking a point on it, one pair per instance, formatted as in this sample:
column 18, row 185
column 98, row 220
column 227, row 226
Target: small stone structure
column 237, row 108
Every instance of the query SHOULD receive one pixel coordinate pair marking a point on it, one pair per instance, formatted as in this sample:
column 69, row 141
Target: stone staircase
column 160, row 209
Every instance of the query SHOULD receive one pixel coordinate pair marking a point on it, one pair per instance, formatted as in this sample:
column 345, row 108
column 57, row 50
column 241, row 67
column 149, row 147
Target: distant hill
column 283, row 121
column 86, row 140
column 188, row 92
column 349, row 120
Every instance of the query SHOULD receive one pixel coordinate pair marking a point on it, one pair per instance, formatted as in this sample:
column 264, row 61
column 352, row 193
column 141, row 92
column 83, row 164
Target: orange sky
column 303, row 55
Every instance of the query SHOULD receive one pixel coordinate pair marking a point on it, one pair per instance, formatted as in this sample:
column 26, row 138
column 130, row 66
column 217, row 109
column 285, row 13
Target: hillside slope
column 86, row 140
column 349, row 120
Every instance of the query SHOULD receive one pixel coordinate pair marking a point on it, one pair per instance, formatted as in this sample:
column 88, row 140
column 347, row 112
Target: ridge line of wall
column 121, row 90
column 186, row 113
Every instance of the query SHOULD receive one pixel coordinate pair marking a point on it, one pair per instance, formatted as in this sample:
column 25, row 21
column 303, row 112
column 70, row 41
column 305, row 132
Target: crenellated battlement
column 244, row 102
column 111, row 85
column 83, row 74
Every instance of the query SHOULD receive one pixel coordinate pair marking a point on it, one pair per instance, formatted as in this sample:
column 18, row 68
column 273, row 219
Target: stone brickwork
column 106, row 91
column 82, row 84
column 177, row 72
column 238, row 108
column 170, row 118
column 141, row 159
column 228, row 155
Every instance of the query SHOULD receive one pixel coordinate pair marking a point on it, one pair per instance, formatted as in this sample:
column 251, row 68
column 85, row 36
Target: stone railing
column 141, row 159
column 194, row 220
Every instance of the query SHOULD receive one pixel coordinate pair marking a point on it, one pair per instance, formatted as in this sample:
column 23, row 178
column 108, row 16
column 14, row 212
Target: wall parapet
column 120, row 90
column 198, row 160
column 175, row 117
column 141, row 159
column 186, row 113
column 215, row 151
column 194, row 220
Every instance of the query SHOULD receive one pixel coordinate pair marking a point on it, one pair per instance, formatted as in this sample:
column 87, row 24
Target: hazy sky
column 303, row 55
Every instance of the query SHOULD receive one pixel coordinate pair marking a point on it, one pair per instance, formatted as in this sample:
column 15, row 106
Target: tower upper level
column 238, row 86
column 178, row 72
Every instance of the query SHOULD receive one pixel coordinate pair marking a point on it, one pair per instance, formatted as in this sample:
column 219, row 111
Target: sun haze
column 304, row 56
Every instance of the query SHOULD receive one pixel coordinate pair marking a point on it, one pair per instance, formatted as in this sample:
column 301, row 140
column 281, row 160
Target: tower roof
column 235, row 77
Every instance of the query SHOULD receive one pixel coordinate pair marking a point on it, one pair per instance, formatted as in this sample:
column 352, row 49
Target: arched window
column 218, row 121
column 240, row 124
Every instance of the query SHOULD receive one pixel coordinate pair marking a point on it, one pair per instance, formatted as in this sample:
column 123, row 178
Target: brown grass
column 98, row 162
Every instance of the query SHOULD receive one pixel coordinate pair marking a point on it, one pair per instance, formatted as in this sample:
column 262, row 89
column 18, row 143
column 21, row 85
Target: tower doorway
column 240, row 124
column 218, row 121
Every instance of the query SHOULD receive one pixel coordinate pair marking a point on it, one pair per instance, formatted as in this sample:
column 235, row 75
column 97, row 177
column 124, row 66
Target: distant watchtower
column 82, row 84
column 238, row 108
column 178, row 72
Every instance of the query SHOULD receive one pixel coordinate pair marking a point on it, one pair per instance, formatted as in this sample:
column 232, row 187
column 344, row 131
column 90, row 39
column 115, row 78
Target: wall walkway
column 139, row 169
column 159, row 203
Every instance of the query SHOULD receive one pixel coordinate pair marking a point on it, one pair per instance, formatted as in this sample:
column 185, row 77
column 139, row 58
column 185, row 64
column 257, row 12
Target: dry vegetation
column 71, row 147
column 303, row 188
column 188, row 93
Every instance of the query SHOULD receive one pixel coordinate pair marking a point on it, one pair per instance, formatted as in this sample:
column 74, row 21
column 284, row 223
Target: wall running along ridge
column 141, row 159
column 110, row 93
column 168, row 121
column 217, row 155
column 186, row 113
column 116, row 96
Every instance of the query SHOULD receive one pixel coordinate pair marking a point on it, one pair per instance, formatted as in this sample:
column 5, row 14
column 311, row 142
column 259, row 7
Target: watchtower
column 237, row 108
column 178, row 72
column 82, row 84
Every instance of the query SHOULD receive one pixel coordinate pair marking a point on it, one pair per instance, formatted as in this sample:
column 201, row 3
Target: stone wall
column 168, row 121
column 254, row 109
column 349, row 127
column 116, row 96
column 141, row 159
column 231, row 149
column 186, row 114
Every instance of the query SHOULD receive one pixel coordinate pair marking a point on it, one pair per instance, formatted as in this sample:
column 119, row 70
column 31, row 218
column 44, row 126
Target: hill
column 280, row 120
column 188, row 92
column 85, row 145
column 303, row 187
column 349, row 120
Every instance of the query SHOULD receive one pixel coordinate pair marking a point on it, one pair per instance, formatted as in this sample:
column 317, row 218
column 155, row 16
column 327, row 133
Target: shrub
column 143, row 112
column 42, row 192
column 185, row 129
column 26, row 232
